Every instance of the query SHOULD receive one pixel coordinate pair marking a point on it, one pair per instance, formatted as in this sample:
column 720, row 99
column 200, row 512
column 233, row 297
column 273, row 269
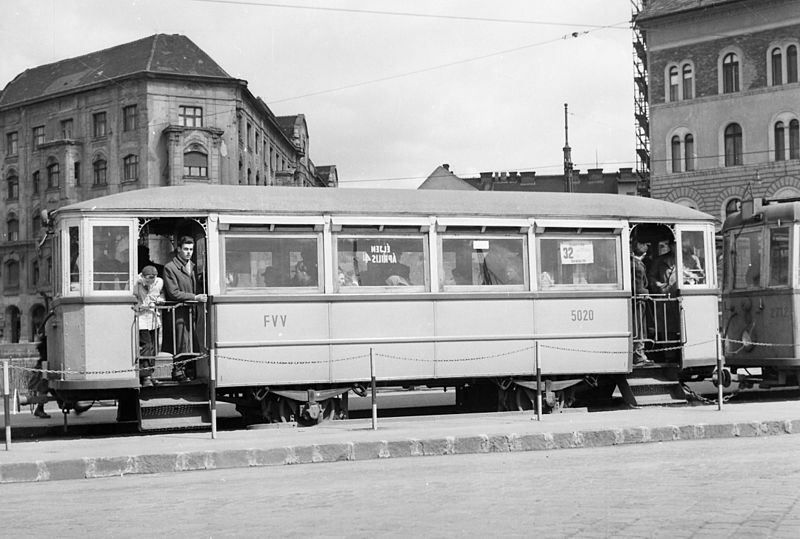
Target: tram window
column 572, row 260
column 271, row 261
column 746, row 259
column 390, row 261
column 779, row 256
column 694, row 258
column 483, row 261
column 111, row 257
column 74, row 259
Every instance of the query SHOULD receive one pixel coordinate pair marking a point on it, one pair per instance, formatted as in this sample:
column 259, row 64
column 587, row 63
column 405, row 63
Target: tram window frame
column 292, row 259
column 749, row 280
column 380, row 236
column 683, row 233
column 481, row 241
column 71, row 266
column 546, row 281
column 787, row 269
column 89, row 269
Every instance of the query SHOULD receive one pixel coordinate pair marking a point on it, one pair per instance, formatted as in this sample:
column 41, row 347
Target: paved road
column 739, row 487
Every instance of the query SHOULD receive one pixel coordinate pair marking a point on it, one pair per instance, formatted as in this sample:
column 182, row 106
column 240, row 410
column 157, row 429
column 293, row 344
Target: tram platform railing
column 167, row 347
column 658, row 320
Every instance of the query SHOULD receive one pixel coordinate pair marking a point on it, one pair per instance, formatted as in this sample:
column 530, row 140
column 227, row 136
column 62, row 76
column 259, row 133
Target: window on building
column 673, row 83
column 258, row 142
column 100, row 172
column 12, row 143
column 36, row 183
column 249, row 176
column 12, row 274
column 190, row 116
column 77, row 172
column 99, row 124
column 733, row 145
column 688, row 81
column 53, row 176
column 777, row 66
column 249, row 137
column 732, row 206
column 195, row 164
column 676, row 153
column 130, row 168
column 780, row 142
column 688, row 152
column 66, row 129
column 794, row 139
column 13, row 187
column 38, row 136
column 13, row 228
column 730, row 73
column 791, row 64
column 35, row 273
column 129, row 118
column 36, row 224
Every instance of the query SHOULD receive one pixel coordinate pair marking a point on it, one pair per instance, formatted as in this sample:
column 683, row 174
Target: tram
column 761, row 293
column 312, row 292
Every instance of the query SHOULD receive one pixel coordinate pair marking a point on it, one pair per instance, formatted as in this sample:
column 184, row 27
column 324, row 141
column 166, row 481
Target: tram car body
column 761, row 293
column 310, row 287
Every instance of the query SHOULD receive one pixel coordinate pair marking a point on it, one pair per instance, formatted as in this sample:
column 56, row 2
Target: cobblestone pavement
column 736, row 487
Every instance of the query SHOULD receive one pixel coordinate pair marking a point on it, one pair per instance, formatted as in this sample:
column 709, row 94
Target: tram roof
column 254, row 200
column 761, row 211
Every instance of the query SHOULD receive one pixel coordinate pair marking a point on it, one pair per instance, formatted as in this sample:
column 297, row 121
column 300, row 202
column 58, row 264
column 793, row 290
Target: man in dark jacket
column 180, row 283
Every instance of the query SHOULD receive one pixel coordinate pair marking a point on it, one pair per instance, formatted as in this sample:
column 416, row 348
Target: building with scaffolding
column 722, row 100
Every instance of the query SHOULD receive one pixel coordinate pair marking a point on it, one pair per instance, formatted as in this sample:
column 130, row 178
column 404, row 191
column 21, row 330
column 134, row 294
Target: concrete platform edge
column 168, row 462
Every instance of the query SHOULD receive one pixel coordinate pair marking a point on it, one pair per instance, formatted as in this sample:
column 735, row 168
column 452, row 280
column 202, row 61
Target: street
column 719, row 488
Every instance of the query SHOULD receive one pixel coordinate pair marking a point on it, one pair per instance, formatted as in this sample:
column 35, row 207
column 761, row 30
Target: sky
column 390, row 89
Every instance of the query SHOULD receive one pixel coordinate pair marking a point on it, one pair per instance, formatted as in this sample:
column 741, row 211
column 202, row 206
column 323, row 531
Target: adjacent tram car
column 309, row 288
column 761, row 293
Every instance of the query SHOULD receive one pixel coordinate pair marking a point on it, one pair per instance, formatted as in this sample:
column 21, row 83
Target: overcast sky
column 389, row 96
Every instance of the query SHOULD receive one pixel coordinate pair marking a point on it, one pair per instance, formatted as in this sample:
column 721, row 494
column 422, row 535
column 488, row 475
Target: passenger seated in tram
column 502, row 266
column 661, row 276
column 303, row 275
column 347, row 278
column 398, row 275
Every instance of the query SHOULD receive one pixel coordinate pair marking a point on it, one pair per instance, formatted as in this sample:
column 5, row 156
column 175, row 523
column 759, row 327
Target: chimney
column 446, row 166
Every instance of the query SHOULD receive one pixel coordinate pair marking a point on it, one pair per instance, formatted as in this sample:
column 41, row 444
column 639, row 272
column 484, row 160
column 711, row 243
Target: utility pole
column 567, row 155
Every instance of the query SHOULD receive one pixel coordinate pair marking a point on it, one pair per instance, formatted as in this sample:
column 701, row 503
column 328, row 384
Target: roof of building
column 443, row 178
column 660, row 8
column 255, row 200
column 172, row 54
column 287, row 123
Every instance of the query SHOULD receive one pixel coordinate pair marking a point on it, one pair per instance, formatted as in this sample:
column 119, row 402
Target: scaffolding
column 640, row 103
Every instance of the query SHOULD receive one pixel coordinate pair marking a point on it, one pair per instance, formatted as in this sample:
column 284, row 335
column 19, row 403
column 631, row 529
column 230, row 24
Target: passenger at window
column 303, row 275
column 180, row 284
column 347, row 278
column 149, row 292
column 399, row 275
column 502, row 266
column 692, row 266
column 662, row 277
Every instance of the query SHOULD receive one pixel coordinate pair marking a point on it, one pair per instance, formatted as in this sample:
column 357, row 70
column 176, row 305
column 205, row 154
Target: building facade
column 158, row 111
column 724, row 100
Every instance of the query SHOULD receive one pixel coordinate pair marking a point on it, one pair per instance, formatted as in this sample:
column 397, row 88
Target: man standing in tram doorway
column 180, row 284
column 640, row 291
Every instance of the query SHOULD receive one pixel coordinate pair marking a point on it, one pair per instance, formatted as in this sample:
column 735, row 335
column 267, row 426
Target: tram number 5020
column 581, row 315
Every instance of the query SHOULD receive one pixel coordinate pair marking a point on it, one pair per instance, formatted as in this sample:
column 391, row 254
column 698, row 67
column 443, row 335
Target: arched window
column 688, row 152
column 780, row 142
column 676, row 153
column 13, row 186
column 673, row 83
column 732, row 206
column 100, row 169
column 195, row 164
column 730, row 73
column 53, row 175
column 688, row 81
column 733, row 145
column 791, row 64
column 13, row 228
column 13, row 321
column 794, row 139
column 777, row 66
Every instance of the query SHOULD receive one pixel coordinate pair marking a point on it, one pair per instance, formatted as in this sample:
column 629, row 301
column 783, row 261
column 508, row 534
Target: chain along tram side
column 307, row 288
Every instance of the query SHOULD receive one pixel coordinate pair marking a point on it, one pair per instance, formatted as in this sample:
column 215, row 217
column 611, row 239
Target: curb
column 98, row 467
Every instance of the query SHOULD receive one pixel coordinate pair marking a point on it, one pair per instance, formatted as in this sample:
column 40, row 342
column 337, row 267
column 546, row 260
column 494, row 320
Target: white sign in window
column 577, row 252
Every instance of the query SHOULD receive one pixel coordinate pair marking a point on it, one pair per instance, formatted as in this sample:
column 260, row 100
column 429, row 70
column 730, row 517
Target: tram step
column 641, row 391
column 179, row 407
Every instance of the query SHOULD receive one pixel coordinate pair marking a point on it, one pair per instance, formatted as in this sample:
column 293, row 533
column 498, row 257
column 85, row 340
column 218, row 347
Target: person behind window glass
column 149, row 292
column 692, row 266
column 502, row 266
column 180, row 283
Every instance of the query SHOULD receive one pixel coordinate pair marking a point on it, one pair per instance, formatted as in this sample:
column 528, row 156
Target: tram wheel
column 525, row 398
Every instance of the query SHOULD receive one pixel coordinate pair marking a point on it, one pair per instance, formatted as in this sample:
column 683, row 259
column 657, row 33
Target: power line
column 406, row 14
